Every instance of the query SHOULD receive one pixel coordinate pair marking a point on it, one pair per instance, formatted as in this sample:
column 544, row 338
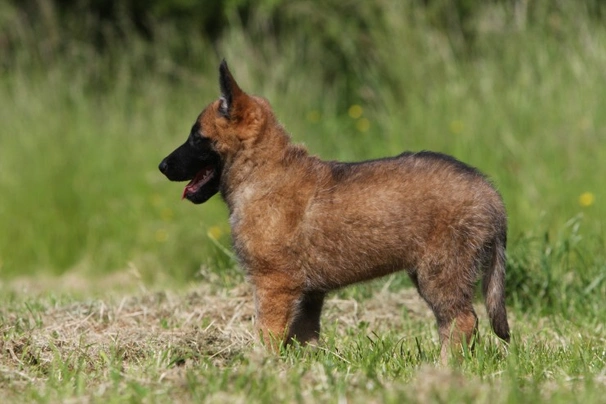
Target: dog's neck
column 257, row 159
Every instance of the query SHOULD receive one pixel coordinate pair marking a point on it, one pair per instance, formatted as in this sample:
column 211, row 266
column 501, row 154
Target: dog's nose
column 163, row 166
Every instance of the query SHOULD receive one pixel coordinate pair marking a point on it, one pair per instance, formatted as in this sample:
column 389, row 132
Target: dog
column 302, row 227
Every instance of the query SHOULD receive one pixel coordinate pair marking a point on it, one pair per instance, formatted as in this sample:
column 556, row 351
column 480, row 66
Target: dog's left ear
column 230, row 92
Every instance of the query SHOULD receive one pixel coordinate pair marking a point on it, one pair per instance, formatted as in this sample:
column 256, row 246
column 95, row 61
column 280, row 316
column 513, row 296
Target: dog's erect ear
column 230, row 92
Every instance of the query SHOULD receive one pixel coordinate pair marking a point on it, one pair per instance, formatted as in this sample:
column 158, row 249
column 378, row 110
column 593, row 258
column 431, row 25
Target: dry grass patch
column 157, row 336
column 94, row 342
column 136, row 327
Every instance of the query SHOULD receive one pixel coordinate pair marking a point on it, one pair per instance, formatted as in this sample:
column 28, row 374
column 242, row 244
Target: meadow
column 112, row 289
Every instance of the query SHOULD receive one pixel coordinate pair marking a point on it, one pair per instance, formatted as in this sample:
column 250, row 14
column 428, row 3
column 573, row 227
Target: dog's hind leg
column 305, row 327
column 457, row 329
column 450, row 296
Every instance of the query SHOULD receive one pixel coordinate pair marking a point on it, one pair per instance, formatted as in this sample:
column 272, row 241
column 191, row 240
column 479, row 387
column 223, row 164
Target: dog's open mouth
column 201, row 178
column 201, row 166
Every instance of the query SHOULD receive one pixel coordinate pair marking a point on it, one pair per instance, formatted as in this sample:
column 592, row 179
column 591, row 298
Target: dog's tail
column 493, row 286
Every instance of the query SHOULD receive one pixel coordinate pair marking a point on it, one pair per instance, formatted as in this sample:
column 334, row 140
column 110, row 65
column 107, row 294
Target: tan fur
column 302, row 227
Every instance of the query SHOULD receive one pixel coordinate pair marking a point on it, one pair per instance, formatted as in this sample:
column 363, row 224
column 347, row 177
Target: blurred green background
column 93, row 94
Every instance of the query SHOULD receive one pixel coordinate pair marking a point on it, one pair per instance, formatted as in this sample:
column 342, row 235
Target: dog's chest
column 263, row 226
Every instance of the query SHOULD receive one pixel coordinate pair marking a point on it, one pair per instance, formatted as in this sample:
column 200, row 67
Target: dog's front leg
column 276, row 307
column 305, row 327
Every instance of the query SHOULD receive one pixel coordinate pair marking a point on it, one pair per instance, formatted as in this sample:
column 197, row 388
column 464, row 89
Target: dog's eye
column 196, row 140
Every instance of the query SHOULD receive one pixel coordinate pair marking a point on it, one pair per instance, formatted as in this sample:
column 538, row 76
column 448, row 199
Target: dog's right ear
column 230, row 91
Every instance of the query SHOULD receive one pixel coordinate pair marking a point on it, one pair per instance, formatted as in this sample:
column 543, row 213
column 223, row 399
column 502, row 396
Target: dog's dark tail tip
column 494, row 291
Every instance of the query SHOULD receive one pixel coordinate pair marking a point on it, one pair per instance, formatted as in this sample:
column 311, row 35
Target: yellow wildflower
column 586, row 199
column 355, row 111
column 363, row 124
column 214, row 232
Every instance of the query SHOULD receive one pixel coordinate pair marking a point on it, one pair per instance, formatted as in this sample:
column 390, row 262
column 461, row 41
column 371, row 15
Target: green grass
column 198, row 345
column 83, row 134
column 82, row 205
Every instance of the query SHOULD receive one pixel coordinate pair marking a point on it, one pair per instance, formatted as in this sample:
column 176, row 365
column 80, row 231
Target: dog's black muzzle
column 182, row 164
column 200, row 165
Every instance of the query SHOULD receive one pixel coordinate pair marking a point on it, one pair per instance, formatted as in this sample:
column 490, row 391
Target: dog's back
column 368, row 219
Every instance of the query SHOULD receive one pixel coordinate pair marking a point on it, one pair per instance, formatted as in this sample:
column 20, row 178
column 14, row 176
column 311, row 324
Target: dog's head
column 221, row 130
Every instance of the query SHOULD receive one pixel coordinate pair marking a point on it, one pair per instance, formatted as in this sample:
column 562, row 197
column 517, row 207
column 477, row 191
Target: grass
column 83, row 134
column 196, row 344
column 113, row 290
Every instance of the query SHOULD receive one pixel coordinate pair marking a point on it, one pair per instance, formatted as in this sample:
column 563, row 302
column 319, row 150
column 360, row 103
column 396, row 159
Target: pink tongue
column 188, row 187
column 192, row 184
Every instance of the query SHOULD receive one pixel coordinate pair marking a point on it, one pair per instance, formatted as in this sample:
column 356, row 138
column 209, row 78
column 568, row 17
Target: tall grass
column 84, row 130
